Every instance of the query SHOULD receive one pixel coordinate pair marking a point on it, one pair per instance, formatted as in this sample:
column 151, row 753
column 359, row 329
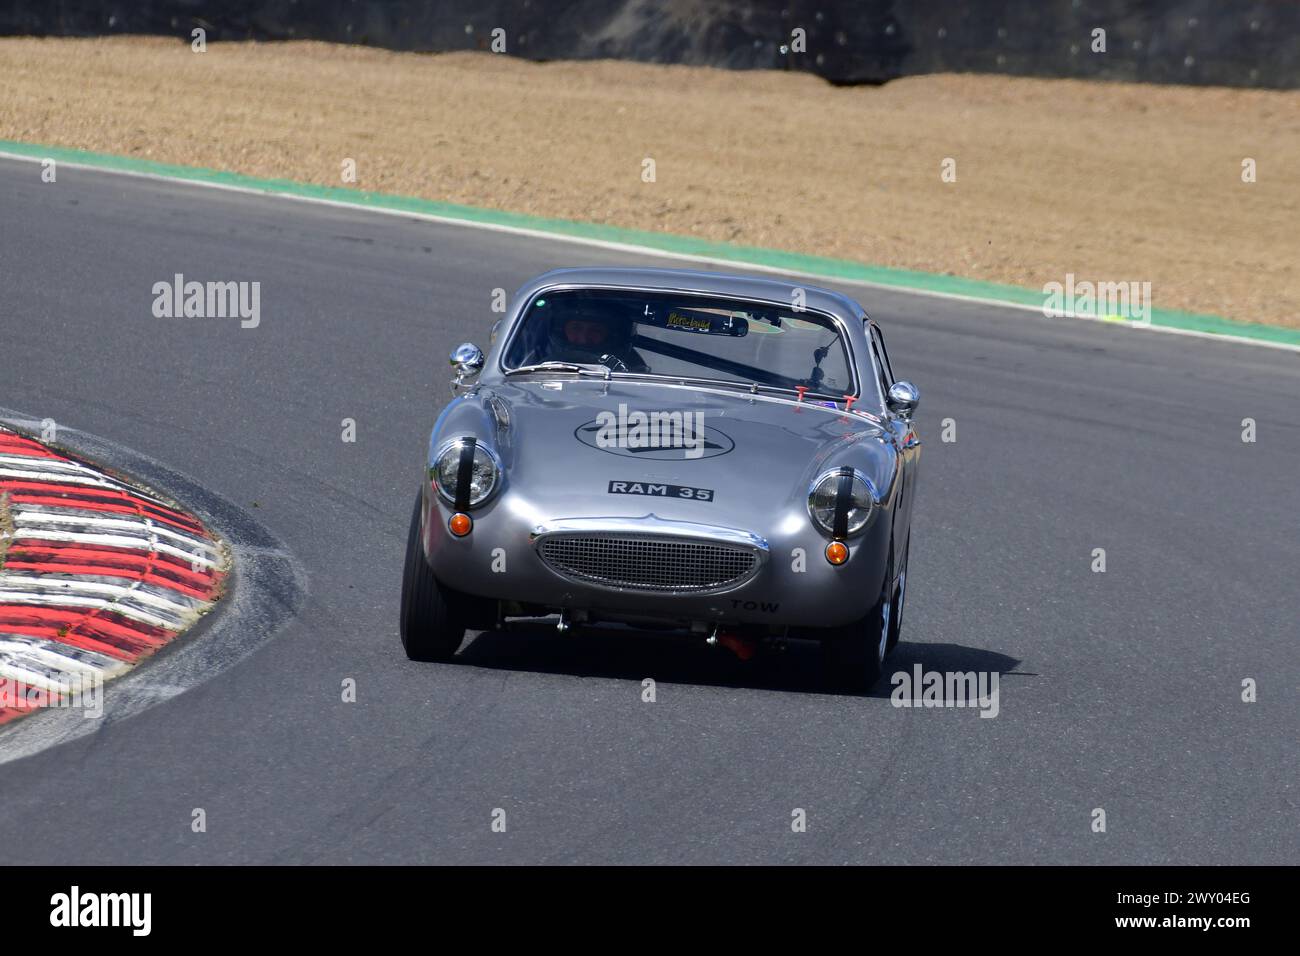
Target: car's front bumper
column 793, row 586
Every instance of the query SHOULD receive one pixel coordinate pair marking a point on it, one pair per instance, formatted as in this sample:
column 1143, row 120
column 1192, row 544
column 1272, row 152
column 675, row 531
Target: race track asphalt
column 1119, row 690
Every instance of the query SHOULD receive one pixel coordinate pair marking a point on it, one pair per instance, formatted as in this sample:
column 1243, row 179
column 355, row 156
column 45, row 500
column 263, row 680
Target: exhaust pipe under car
column 743, row 646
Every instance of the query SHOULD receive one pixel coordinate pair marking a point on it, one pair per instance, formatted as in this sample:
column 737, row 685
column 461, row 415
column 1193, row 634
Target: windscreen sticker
column 689, row 322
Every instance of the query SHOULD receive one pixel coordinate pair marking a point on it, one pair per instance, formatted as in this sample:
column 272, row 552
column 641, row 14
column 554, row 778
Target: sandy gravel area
column 1108, row 181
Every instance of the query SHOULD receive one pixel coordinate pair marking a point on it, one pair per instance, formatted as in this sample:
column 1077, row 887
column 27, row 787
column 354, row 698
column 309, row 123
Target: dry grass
column 1108, row 181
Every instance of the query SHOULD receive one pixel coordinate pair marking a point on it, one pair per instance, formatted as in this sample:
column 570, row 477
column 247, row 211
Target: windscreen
column 684, row 336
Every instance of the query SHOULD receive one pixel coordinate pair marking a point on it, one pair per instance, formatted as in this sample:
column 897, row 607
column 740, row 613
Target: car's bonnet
column 564, row 440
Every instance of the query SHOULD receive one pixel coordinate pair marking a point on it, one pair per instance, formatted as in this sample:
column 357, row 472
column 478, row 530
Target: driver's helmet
column 581, row 328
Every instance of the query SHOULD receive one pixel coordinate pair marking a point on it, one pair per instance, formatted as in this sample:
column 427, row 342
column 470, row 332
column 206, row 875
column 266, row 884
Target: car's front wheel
column 431, row 627
column 900, row 592
column 855, row 657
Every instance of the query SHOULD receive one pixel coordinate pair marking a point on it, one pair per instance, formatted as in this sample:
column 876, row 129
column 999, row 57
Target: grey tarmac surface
column 1119, row 691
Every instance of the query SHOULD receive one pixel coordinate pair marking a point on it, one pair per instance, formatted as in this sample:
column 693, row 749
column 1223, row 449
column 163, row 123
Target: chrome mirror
column 467, row 359
column 902, row 398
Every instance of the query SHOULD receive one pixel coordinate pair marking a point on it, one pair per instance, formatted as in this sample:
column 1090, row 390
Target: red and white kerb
column 94, row 575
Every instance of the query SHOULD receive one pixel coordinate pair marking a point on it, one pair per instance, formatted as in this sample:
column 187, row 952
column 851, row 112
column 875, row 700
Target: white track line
column 123, row 607
column 41, row 463
column 47, row 652
column 38, row 463
column 29, row 589
column 135, row 592
column 33, row 468
column 25, row 474
column 116, row 541
column 644, row 250
column 24, row 516
column 42, row 678
column 45, row 663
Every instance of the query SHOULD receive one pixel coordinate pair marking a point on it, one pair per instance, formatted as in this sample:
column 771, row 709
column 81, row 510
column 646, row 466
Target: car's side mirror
column 902, row 398
column 467, row 359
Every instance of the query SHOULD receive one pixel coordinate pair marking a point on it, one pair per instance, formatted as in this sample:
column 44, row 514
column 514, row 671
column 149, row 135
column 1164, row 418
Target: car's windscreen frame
column 841, row 328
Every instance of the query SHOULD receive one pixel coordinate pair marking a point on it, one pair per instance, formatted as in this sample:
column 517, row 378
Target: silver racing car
column 727, row 457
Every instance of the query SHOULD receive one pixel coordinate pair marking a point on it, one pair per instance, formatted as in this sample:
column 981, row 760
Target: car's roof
column 689, row 280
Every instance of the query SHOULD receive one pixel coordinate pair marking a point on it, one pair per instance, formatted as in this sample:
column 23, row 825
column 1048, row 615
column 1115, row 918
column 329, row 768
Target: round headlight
column 483, row 474
column 861, row 504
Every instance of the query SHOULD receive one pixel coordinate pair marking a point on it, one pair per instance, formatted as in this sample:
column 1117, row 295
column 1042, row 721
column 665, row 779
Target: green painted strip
column 664, row 242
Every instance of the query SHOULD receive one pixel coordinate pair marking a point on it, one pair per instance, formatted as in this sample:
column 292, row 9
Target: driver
column 584, row 334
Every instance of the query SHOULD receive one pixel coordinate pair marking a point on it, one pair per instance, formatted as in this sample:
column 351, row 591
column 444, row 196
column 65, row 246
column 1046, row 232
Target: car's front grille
column 644, row 562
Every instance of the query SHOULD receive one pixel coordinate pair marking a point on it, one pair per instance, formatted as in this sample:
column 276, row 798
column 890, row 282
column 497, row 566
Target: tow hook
column 562, row 625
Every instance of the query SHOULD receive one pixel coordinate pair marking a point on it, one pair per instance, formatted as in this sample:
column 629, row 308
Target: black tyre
column 900, row 594
column 854, row 657
column 431, row 628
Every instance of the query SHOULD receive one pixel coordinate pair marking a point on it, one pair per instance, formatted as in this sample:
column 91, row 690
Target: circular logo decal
column 661, row 436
